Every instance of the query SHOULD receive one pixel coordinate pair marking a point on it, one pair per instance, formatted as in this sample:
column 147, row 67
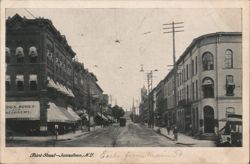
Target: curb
column 180, row 143
column 49, row 138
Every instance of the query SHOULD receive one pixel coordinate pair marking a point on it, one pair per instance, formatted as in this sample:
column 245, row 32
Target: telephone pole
column 173, row 28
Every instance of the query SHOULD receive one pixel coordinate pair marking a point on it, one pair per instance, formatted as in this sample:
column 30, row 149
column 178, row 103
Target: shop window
column 230, row 110
column 229, row 58
column 20, row 82
column 33, row 82
column 19, row 54
column 7, row 82
column 33, row 54
column 7, row 55
column 208, row 87
column 230, row 86
column 207, row 61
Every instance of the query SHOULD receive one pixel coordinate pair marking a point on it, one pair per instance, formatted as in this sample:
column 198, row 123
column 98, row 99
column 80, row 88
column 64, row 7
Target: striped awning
column 51, row 83
column 102, row 116
column 76, row 116
column 54, row 114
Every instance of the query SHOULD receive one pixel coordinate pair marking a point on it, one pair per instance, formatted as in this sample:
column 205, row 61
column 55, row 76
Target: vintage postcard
column 124, row 82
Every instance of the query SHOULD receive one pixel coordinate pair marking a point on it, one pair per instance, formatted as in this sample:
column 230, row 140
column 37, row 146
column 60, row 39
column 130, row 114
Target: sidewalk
column 184, row 139
column 63, row 137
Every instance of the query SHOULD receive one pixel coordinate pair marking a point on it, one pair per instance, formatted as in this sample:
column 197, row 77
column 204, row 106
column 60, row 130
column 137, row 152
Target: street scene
column 123, row 78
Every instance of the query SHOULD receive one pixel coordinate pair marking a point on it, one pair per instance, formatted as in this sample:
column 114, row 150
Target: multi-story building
column 41, row 77
column 208, row 83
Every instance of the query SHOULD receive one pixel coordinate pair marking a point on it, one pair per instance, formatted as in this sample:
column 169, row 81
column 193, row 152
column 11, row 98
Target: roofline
column 194, row 42
column 50, row 24
column 198, row 39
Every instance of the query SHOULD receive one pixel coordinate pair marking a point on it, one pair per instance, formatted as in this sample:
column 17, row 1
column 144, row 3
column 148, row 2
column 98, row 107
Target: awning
column 19, row 52
column 33, row 51
column 102, row 116
column 70, row 110
column 7, row 77
column 51, row 83
column 231, row 119
column 19, row 78
column 54, row 114
column 79, row 112
column 71, row 93
column 33, row 77
column 59, row 88
column 67, row 114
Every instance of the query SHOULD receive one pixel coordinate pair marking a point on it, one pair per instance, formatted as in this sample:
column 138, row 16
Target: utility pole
column 173, row 28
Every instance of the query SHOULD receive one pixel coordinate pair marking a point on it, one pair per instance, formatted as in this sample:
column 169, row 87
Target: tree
column 117, row 112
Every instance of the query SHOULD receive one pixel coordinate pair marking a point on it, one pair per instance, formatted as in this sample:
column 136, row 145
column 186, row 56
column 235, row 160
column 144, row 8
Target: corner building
column 208, row 83
column 39, row 77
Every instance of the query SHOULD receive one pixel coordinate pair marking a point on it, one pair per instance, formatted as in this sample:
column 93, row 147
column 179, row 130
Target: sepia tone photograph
column 54, row 96
column 123, row 78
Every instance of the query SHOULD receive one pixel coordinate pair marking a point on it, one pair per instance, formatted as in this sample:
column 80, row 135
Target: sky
column 92, row 34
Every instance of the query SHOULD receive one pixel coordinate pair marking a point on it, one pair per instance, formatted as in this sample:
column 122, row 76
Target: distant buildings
column 45, row 86
column 208, row 85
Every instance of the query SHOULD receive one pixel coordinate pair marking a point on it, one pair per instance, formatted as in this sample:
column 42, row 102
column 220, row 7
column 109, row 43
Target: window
column 187, row 93
column 33, row 82
column 19, row 54
column 230, row 86
column 196, row 89
column 230, row 110
column 187, row 71
column 229, row 58
column 7, row 55
column 196, row 65
column 207, row 61
column 193, row 90
column 7, row 82
column 193, row 68
column 20, row 82
column 33, row 54
column 208, row 87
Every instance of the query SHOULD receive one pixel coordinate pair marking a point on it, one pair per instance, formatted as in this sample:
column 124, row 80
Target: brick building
column 44, row 86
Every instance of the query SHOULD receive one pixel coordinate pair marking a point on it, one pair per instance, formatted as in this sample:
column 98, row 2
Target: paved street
column 133, row 135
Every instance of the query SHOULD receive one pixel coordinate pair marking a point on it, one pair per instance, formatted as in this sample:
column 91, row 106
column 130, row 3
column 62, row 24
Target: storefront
column 23, row 116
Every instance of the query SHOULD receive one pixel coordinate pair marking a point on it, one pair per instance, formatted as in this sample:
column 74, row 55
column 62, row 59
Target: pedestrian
column 168, row 129
column 56, row 130
column 227, row 143
column 175, row 132
column 191, row 129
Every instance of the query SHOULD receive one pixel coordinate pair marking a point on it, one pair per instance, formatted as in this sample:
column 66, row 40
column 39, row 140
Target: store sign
column 23, row 110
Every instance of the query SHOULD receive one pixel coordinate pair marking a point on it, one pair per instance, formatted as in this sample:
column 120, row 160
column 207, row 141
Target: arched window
column 208, row 87
column 33, row 54
column 229, row 58
column 207, row 61
column 19, row 54
column 7, row 55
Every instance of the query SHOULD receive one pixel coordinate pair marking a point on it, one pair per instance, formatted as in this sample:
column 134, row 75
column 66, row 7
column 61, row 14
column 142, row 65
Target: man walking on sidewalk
column 175, row 132
column 168, row 128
